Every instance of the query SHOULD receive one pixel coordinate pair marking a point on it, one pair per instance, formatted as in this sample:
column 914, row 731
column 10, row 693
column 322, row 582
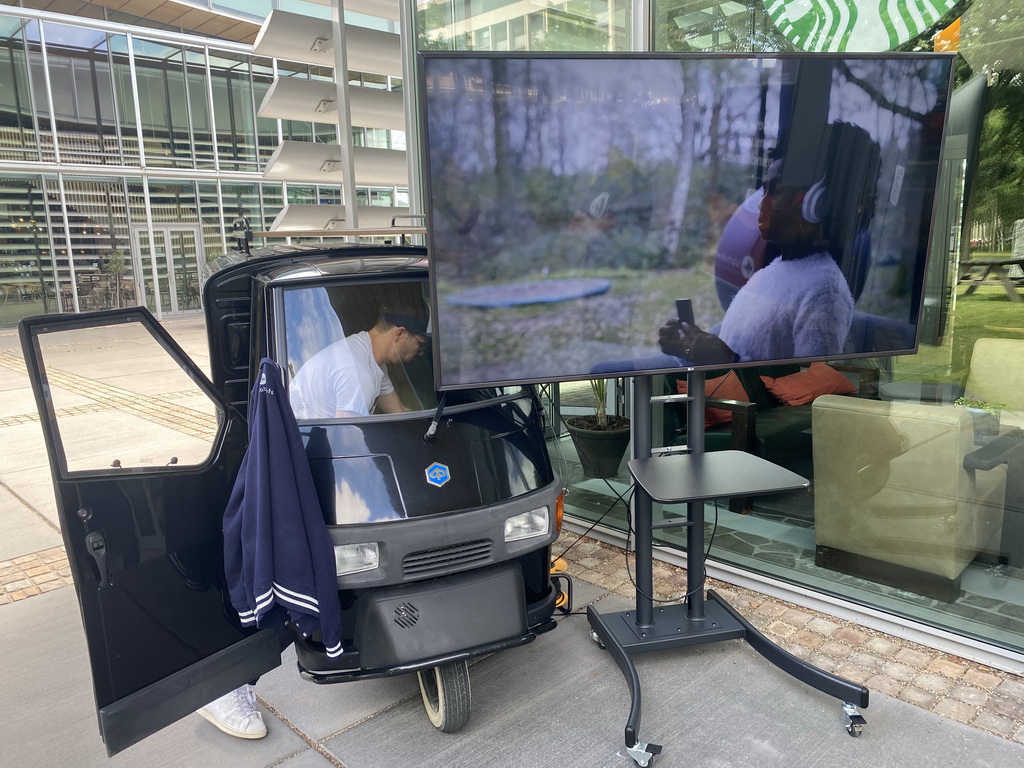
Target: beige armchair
column 893, row 502
column 997, row 370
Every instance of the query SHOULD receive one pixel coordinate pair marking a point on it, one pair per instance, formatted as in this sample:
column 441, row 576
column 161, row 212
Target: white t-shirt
column 341, row 377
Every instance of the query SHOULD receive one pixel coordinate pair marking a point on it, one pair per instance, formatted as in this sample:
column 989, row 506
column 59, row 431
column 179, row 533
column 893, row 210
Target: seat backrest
column 873, row 333
column 997, row 372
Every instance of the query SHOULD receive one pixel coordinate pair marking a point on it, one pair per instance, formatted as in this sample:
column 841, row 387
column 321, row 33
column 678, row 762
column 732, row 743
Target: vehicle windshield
column 358, row 349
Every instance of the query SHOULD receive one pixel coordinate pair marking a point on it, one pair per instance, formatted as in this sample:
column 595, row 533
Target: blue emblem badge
column 438, row 474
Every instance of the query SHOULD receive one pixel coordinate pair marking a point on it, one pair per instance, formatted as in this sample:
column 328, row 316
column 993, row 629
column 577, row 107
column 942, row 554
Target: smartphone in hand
column 684, row 311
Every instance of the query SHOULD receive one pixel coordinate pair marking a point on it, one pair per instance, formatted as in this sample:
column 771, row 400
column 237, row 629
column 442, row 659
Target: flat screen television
column 610, row 215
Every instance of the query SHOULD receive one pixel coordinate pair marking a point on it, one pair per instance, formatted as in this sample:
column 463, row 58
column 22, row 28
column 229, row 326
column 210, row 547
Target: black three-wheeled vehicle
column 441, row 541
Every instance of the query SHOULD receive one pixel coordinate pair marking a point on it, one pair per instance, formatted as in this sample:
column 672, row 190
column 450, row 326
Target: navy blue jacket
column 278, row 557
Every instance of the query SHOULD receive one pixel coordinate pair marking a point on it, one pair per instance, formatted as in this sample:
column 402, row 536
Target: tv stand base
column 674, row 627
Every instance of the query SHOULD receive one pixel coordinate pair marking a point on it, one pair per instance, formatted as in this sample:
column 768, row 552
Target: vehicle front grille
column 441, row 560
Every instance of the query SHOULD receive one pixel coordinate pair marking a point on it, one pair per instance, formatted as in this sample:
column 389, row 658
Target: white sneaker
column 235, row 713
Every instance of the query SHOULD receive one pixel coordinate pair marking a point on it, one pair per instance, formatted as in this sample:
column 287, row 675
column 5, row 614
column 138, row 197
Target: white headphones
column 809, row 208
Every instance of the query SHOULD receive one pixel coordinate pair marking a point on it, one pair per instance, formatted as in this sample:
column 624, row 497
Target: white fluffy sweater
column 790, row 309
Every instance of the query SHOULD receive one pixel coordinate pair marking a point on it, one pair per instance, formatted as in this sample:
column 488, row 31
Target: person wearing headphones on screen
column 798, row 305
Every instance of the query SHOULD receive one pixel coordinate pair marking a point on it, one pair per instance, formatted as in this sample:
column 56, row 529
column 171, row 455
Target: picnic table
column 998, row 268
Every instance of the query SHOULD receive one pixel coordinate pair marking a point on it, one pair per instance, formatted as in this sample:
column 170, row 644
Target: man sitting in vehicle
column 349, row 377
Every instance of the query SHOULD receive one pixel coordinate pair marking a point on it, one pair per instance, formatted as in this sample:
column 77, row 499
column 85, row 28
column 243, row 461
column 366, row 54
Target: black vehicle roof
column 230, row 282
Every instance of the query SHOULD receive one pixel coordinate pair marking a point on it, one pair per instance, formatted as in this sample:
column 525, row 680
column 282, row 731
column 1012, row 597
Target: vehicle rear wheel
column 446, row 695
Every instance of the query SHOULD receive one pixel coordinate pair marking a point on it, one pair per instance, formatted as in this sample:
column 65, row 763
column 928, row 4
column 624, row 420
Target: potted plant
column 601, row 438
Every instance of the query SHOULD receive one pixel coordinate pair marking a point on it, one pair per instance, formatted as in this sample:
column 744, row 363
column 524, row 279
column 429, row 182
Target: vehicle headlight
column 356, row 558
column 527, row 525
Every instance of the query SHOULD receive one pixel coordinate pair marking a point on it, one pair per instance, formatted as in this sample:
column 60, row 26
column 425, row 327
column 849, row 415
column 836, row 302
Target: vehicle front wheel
column 446, row 695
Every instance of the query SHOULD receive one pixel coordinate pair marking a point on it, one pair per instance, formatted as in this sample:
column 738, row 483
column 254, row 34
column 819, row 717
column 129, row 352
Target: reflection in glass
column 116, row 406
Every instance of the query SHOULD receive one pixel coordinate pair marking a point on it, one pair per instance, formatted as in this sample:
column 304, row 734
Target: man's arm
column 390, row 403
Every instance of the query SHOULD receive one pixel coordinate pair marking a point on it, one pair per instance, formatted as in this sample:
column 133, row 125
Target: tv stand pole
column 693, row 478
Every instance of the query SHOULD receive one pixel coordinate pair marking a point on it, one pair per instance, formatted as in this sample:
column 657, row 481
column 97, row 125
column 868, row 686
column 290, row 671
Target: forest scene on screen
column 573, row 200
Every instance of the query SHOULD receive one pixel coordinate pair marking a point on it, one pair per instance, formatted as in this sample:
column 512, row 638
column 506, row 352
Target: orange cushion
column 728, row 387
column 805, row 386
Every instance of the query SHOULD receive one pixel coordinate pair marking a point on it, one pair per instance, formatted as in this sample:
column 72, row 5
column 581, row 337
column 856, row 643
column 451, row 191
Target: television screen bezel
column 922, row 266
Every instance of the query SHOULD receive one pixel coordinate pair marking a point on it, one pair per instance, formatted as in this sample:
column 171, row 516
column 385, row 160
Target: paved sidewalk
column 982, row 707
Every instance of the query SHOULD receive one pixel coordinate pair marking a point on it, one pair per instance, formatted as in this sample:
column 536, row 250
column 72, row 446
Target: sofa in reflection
column 898, row 495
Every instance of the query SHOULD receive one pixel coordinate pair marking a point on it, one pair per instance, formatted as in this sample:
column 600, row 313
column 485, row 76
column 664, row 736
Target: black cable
column 602, row 517
column 704, row 573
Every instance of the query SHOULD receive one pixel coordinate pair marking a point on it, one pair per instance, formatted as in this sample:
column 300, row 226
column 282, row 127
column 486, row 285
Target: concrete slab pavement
column 560, row 701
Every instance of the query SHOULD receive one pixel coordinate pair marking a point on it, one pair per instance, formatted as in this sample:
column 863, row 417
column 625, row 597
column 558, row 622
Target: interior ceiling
column 160, row 13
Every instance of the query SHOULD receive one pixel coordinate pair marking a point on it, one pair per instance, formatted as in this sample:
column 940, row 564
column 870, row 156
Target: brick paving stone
column 969, row 695
column 916, row 696
column 822, row 626
column 14, row 586
column 798, row 650
column 771, row 609
column 948, row 667
column 31, row 591
column 851, row 636
column 883, row 646
column 46, row 577
column 679, row 580
column 838, row 650
column 956, row 710
column 807, row 639
column 929, row 681
column 826, row 663
column 853, row 672
column 781, row 629
column 1012, row 688
column 1001, row 705
column 994, row 723
column 1018, row 736
column 662, row 573
column 24, row 559
column 900, row 672
column 50, row 586
column 759, row 622
column 795, row 617
column 867, row 660
column 5, row 598
column 914, row 657
column 885, row 684
column 981, row 679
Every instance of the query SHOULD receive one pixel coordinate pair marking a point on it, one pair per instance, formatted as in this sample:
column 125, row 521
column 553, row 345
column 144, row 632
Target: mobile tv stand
column 693, row 478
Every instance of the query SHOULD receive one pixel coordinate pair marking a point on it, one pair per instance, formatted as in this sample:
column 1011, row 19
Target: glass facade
column 170, row 124
column 900, row 517
column 146, row 146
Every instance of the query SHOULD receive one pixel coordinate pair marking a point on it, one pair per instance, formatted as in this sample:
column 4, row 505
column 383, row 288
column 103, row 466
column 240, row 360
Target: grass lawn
column 988, row 312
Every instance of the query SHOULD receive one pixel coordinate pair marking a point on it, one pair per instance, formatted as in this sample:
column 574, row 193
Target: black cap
column 410, row 323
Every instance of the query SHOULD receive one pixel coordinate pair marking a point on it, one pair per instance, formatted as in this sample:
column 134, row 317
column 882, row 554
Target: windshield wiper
column 432, row 429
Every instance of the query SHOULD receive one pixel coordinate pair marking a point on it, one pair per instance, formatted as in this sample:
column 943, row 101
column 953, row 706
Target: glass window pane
column 713, row 25
column 163, row 103
column 17, row 131
column 108, row 422
column 578, row 25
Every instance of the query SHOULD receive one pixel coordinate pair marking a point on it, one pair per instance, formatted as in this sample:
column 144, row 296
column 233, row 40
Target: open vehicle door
column 143, row 451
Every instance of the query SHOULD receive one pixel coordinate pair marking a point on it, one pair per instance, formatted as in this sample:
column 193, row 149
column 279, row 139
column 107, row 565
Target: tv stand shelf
column 697, row 477
column 694, row 478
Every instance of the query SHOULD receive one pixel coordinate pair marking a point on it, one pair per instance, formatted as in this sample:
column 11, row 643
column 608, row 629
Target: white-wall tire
column 446, row 695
